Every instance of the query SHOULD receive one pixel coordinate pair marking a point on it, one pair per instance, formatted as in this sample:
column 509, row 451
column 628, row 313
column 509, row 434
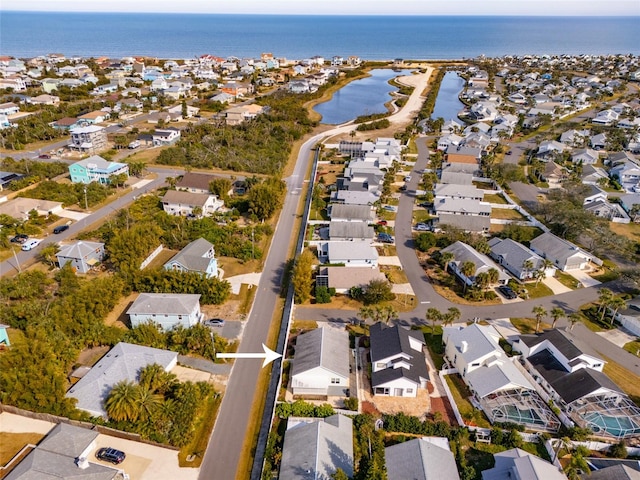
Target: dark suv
column 60, row 228
column 111, row 455
column 507, row 292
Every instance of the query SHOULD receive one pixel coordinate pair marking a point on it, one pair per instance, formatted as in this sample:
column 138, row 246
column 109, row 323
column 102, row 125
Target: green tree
column 574, row 318
column 616, row 304
column 539, row 313
column 556, row 313
column 122, row 403
column 220, row 187
column 605, row 296
column 425, row 241
column 445, row 259
column 266, row 198
column 468, row 268
column 302, row 276
column 433, row 316
column 377, row 291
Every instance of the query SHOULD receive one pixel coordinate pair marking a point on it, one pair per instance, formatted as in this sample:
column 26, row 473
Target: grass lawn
column 200, row 440
column 247, row 292
column 394, row 274
column 304, row 325
column 629, row 230
column 506, row 214
column 461, row 394
column 387, row 250
column 567, row 280
column 528, row 325
column 628, row 381
column 315, row 214
column 12, row 443
column 539, row 290
column 633, row 347
column 495, row 198
column 591, row 319
column 434, row 344
column 421, row 215
column 233, row 266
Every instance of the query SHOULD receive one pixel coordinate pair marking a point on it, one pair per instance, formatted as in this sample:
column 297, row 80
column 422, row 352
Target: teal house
column 96, row 169
column 4, row 336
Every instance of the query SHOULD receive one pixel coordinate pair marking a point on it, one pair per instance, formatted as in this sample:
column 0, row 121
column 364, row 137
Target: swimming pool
column 615, row 426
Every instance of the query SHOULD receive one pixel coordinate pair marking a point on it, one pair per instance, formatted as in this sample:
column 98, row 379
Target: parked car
column 383, row 223
column 112, row 455
column 422, row 227
column 509, row 152
column 60, row 229
column 424, row 205
column 507, row 292
column 31, row 244
column 389, row 208
column 135, row 144
column 214, row 322
column 385, row 238
column 407, row 178
column 44, row 155
column 19, row 238
column 403, row 188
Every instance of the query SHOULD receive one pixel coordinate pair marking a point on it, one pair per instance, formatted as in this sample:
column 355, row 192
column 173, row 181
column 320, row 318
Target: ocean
column 28, row 34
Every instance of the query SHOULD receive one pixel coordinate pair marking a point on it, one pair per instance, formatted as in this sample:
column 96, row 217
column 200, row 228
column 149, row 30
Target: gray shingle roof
column 43, row 465
column 468, row 223
column 352, row 212
column 314, row 451
column 164, row 303
column 323, row 347
column 122, row 362
column 420, row 459
column 192, row 257
column 516, row 463
column 554, row 248
column 564, row 341
column 342, row 230
column 68, row 440
column 514, row 253
column 79, row 249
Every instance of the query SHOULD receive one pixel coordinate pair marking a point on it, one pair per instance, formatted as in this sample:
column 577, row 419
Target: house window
column 475, row 364
column 335, row 381
column 381, row 365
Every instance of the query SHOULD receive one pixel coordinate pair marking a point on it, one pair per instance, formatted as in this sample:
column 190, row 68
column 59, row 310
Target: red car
column 383, row 223
column 44, row 155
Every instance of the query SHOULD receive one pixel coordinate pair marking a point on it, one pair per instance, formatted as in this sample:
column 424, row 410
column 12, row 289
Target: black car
column 60, row 229
column 20, row 238
column 507, row 292
column 111, row 455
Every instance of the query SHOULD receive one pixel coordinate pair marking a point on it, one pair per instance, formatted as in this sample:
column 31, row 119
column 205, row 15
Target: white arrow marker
column 268, row 355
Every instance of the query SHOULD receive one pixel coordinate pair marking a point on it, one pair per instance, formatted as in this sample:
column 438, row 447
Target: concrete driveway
column 77, row 216
column 618, row 336
column 583, row 277
column 555, row 285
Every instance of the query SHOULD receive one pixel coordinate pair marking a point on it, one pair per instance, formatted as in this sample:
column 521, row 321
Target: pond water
column 365, row 96
column 447, row 104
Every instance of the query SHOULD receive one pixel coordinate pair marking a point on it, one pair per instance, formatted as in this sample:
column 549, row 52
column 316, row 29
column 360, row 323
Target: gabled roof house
column 465, row 253
column 513, row 256
column 564, row 254
column 503, row 392
column 397, row 362
column 572, row 375
column 521, row 465
column 426, row 458
column 82, row 255
column 198, row 256
column 166, row 309
column 321, row 363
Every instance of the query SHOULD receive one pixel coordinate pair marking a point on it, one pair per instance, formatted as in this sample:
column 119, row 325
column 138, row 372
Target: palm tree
column 121, row 404
column 527, row 266
column 574, row 318
column 452, row 315
column 540, row 274
column 467, row 269
column 556, row 314
column 365, row 313
column 147, row 403
column 446, row 258
column 539, row 312
column 616, row 304
column 493, row 275
column 433, row 316
column 390, row 313
column 604, row 296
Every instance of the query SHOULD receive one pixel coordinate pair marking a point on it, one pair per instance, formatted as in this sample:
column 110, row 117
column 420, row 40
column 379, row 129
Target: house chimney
column 465, row 346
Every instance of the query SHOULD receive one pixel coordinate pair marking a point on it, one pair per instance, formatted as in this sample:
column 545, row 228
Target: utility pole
column 86, row 204
column 252, row 256
column 17, row 261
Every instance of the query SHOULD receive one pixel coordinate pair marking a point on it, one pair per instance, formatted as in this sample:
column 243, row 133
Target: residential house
column 315, row 448
column 426, row 458
column 466, row 155
column 398, row 366
column 518, row 464
column 550, row 149
column 176, row 202
column 321, row 363
column 593, row 175
column 64, row 454
column 191, row 110
column 571, row 373
column 13, row 82
column 607, row 210
column 342, row 279
column 464, row 222
column 157, row 117
column 197, row 183
column 122, row 363
column 465, row 253
column 198, row 256
column 350, row 231
column 574, row 138
column 629, row 317
column 166, row 136
column 349, row 253
column 91, row 139
column 585, row 156
column 606, row 117
column 628, row 202
column 351, row 213
column 513, row 256
column 599, row 141
column 20, row 207
column 9, row 108
column 128, row 104
column 96, row 169
column 628, row 175
column 66, row 123
column 4, row 336
column 502, row 391
column 166, row 309
column 82, row 255
column 241, row 113
column 7, row 177
column 457, row 178
column 468, row 192
column 450, row 139
column 564, row 254
column 349, row 197
column 608, row 470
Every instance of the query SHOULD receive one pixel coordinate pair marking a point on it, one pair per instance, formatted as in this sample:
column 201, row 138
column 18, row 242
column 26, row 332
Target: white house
column 398, row 366
column 321, row 363
column 513, row 256
column 198, row 256
column 502, row 391
column 564, row 254
column 166, row 309
column 350, row 253
column 465, row 253
column 176, row 202
column 162, row 137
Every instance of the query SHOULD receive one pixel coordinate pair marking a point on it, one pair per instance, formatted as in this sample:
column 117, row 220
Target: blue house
column 198, row 256
column 96, row 169
column 4, row 336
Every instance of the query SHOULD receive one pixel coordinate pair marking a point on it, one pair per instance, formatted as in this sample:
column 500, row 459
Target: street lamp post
column 86, row 204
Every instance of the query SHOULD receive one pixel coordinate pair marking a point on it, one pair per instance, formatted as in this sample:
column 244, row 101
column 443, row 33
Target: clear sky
column 341, row 7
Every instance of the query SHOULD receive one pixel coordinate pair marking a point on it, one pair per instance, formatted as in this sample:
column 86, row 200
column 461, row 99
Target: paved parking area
column 555, row 285
column 390, row 260
column 583, row 277
column 618, row 336
column 238, row 280
column 77, row 216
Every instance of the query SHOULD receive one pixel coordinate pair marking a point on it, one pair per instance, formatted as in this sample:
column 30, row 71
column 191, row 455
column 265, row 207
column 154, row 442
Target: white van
column 31, row 244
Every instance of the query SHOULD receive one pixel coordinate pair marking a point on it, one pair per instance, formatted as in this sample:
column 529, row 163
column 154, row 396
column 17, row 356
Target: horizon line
column 405, row 14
